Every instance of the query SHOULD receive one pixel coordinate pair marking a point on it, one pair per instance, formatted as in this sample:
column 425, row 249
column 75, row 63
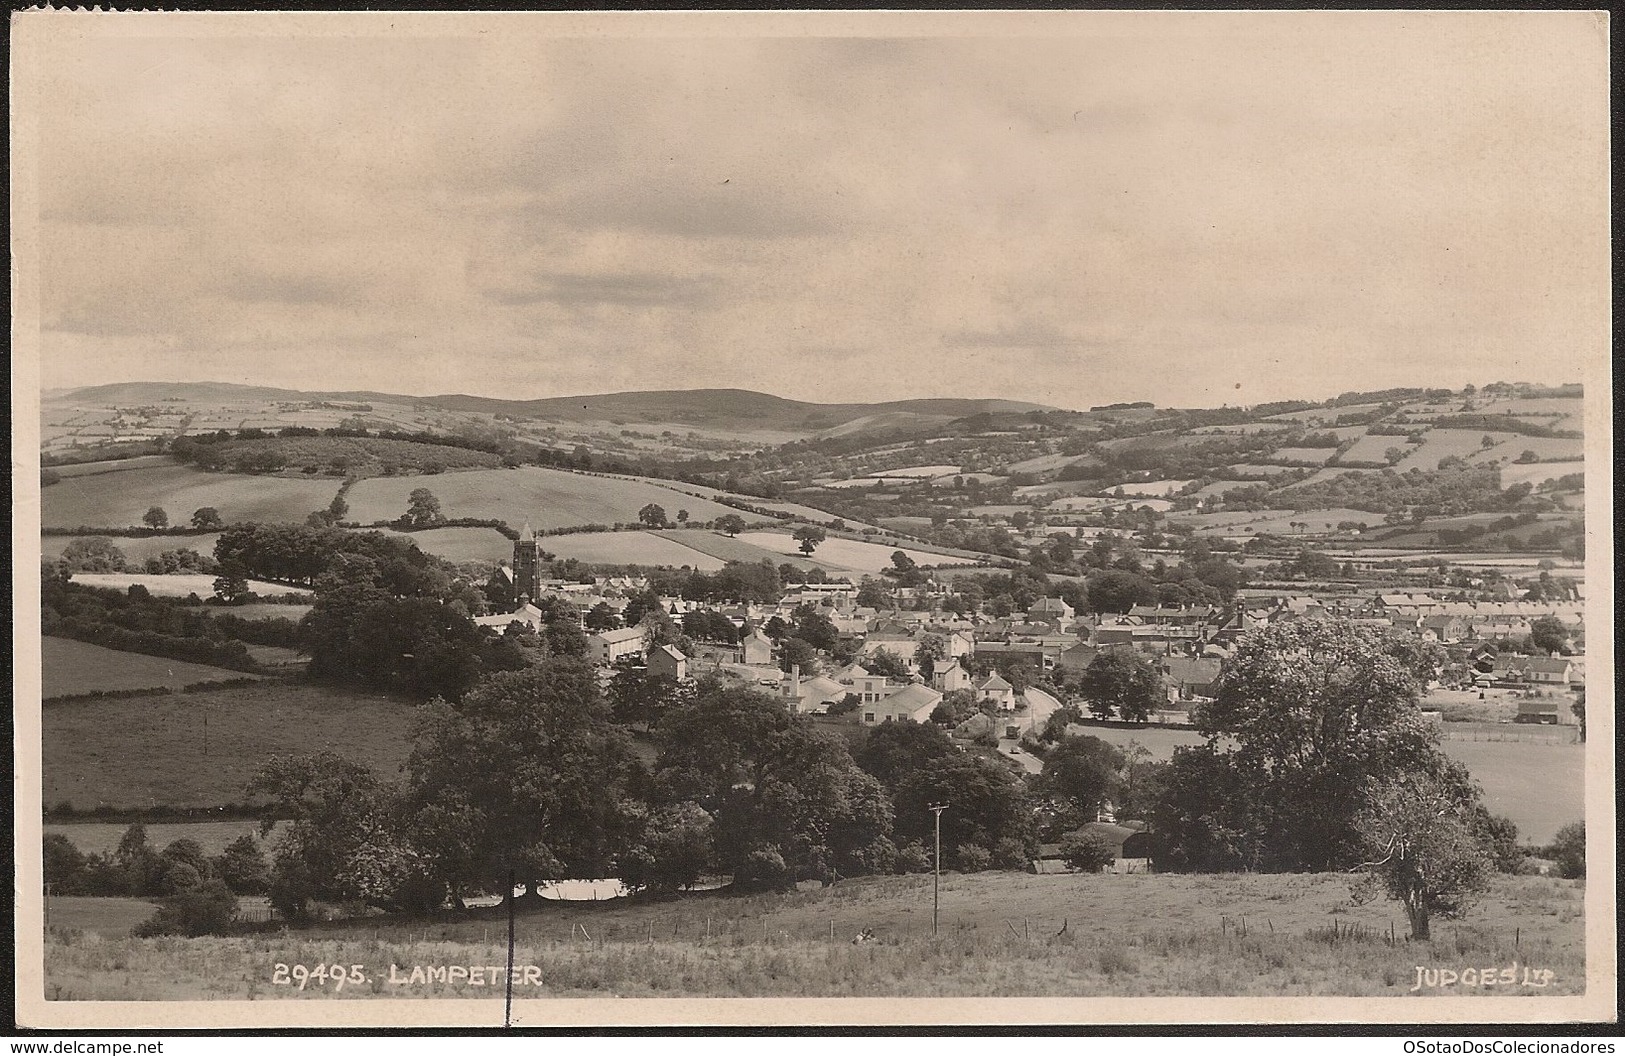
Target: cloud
column 628, row 289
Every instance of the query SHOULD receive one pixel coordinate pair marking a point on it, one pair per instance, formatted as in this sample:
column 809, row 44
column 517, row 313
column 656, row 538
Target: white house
column 953, row 677
column 914, row 702
column 1000, row 692
column 606, row 647
column 668, row 662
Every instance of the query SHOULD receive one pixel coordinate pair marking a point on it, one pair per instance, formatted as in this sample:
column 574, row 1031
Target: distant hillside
column 716, row 408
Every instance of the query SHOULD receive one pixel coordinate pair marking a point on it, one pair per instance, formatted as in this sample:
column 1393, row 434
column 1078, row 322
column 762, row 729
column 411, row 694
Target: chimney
column 793, row 687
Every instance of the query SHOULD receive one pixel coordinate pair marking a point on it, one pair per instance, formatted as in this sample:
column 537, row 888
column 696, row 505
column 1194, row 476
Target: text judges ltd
column 337, row 976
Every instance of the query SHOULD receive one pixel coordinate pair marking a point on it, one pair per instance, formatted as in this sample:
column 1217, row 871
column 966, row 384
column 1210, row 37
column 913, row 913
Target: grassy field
column 136, row 551
column 462, row 544
column 544, row 498
column 630, row 548
column 733, row 548
column 95, row 837
column 120, row 499
column 113, row 917
column 1537, row 472
column 1540, row 786
column 844, row 553
column 70, row 667
column 149, row 751
column 174, row 586
column 1002, row 934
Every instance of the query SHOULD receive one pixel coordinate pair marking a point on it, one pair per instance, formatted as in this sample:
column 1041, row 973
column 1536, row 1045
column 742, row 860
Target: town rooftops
column 619, row 634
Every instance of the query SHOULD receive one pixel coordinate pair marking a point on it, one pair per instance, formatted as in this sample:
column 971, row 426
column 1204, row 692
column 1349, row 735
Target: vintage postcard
column 672, row 518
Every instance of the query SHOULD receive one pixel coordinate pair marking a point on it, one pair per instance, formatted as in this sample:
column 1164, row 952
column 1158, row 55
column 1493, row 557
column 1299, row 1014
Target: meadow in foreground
column 1001, row 934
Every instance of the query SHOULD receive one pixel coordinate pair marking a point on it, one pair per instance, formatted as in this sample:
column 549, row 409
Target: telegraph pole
column 936, row 872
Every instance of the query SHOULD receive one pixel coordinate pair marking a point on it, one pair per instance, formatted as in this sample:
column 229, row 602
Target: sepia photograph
column 665, row 518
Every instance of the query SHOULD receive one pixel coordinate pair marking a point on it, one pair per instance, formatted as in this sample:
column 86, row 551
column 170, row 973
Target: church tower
column 527, row 565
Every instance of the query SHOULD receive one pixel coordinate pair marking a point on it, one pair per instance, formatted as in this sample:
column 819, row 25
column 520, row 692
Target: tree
column 931, row 648
column 1417, row 830
column 1080, row 774
column 1568, row 850
column 653, row 515
column 422, row 509
column 527, row 774
column 342, row 840
column 872, row 595
column 155, row 517
column 242, row 866
column 601, row 618
column 1579, row 710
column 809, row 536
column 1115, row 590
column 207, row 518
column 1547, row 634
column 94, row 554
column 1122, row 683
column 64, row 865
column 682, row 516
column 204, row 908
column 885, row 662
column 672, row 852
column 1320, row 710
column 797, row 652
column 730, row 524
column 788, row 801
column 1087, row 852
column 231, row 584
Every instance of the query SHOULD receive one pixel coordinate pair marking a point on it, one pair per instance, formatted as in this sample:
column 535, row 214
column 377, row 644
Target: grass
column 1002, row 934
column 462, row 544
column 1537, row 472
column 630, row 548
column 70, row 667
column 545, row 498
column 104, row 916
column 149, row 751
column 843, row 553
column 176, row 586
column 136, row 550
column 1540, row 786
column 99, row 837
column 121, row 499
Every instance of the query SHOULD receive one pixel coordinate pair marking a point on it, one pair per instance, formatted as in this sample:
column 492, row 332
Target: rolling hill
column 715, row 408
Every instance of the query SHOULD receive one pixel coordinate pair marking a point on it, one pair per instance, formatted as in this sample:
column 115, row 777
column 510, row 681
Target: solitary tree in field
column 422, row 508
column 1425, row 852
column 654, row 515
column 731, row 524
column 155, row 517
column 682, row 516
column 809, row 536
column 207, row 518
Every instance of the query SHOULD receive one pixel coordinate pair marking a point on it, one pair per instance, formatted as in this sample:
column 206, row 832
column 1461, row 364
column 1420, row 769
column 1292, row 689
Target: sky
column 1192, row 209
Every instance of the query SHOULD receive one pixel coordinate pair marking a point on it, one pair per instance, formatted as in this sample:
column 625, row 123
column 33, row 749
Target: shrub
column 1568, row 850
column 207, row 908
column 973, row 858
column 913, row 858
column 1087, row 852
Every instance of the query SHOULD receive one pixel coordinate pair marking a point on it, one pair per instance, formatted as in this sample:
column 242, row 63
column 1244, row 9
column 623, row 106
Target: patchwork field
column 96, row 837
column 175, row 586
column 1538, row 472
column 149, row 751
column 629, row 548
column 461, row 544
column 1439, row 444
column 1002, row 934
column 1279, row 522
column 135, row 550
column 845, row 553
column 1546, row 448
column 71, row 667
column 544, row 498
column 121, row 499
